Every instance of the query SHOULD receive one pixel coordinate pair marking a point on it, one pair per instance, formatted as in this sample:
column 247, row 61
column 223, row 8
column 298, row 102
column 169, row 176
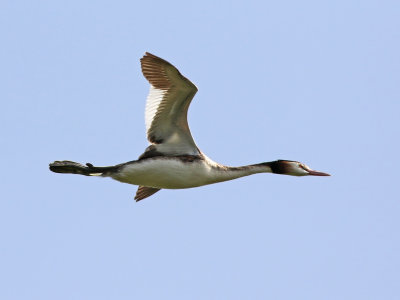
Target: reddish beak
column 317, row 173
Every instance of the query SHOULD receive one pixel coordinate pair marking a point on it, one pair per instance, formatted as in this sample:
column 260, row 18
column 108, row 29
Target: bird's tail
column 70, row 167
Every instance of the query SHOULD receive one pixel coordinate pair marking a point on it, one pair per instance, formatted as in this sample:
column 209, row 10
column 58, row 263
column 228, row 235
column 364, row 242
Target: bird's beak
column 317, row 173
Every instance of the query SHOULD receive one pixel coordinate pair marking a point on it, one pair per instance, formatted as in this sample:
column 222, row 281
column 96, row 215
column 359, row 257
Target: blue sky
column 313, row 81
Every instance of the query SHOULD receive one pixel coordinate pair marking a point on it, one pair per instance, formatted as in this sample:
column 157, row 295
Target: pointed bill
column 317, row 173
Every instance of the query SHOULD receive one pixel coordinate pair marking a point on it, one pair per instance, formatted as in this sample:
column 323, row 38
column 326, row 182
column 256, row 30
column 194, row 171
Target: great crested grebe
column 173, row 161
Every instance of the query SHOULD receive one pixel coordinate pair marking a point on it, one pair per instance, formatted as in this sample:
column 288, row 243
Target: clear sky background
column 313, row 81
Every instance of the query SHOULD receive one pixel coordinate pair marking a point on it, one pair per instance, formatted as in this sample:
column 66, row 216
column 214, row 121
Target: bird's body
column 168, row 172
column 173, row 161
column 181, row 172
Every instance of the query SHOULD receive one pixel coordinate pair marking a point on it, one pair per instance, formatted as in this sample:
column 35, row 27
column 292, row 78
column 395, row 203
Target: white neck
column 224, row 173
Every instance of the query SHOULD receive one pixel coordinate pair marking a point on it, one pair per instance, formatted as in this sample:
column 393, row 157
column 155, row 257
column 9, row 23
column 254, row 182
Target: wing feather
column 167, row 106
column 144, row 192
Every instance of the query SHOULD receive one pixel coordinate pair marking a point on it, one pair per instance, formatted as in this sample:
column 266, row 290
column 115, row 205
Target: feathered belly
column 166, row 173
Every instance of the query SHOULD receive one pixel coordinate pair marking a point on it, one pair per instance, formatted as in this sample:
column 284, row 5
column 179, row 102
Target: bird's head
column 293, row 168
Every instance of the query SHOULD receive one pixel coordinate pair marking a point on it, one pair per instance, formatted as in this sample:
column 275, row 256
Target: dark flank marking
column 189, row 158
column 152, row 152
column 182, row 158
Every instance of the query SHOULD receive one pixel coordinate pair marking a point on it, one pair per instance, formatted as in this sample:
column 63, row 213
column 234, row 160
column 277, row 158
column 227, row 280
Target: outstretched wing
column 167, row 106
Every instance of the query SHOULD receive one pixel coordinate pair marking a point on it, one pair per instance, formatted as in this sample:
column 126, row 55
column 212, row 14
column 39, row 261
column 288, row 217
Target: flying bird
column 173, row 160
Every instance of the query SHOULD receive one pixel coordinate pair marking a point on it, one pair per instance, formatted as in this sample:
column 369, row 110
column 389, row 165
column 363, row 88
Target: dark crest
column 280, row 166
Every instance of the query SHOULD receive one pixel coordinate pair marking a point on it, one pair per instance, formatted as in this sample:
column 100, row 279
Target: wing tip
column 149, row 57
column 149, row 54
column 144, row 192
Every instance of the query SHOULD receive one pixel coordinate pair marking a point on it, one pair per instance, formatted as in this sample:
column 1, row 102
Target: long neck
column 224, row 173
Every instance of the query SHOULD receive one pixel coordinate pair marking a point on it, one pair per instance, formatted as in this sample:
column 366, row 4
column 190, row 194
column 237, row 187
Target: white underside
column 172, row 173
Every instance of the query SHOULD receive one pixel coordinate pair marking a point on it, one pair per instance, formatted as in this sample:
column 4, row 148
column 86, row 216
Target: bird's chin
column 317, row 173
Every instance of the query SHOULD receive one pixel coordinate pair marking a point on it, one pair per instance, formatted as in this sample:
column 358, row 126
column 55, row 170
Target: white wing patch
column 153, row 102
